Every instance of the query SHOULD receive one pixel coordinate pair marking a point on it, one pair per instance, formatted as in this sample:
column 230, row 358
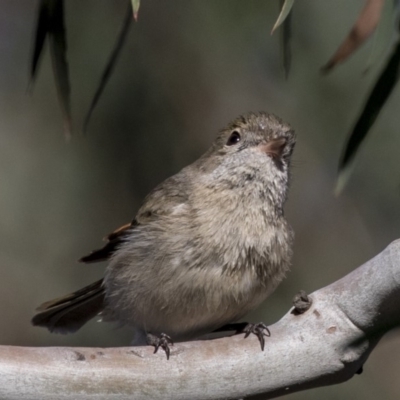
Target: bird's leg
column 260, row 330
column 163, row 341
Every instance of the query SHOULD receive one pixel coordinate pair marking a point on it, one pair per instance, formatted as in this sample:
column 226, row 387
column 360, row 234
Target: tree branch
column 326, row 345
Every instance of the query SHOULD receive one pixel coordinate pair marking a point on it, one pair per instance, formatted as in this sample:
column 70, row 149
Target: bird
column 208, row 244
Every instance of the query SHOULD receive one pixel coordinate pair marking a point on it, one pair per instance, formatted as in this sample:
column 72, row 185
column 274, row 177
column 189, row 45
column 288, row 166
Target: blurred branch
column 326, row 345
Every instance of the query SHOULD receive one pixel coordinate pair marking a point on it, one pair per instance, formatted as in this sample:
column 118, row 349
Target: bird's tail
column 69, row 313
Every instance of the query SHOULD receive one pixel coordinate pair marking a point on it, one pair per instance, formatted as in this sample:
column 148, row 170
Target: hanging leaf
column 360, row 32
column 286, row 39
column 42, row 29
column 285, row 10
column 135, row 8
column 378, row 37
column 377, row 98
column 51, row 24
column 58, row 50
column 110, row 65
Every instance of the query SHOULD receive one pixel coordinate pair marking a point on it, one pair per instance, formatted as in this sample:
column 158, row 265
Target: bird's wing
column 162, row 200
column 114, row 240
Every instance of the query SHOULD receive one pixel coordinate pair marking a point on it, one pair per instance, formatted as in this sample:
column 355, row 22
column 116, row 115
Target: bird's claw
column 163, row 341
column 260, row 330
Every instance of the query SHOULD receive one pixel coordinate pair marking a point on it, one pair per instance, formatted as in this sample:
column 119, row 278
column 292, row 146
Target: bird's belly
column 188, row 305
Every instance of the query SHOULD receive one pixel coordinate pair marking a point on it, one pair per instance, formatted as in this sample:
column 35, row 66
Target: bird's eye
column 233, row 139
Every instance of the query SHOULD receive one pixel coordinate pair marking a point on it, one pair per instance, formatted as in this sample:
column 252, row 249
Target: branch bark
column 326, row 345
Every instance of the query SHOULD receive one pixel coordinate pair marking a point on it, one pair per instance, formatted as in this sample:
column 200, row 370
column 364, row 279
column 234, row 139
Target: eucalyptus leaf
column 376, row 100
column 51, row 25
column 135, row 8
column 58, row 50
column 42, row 29
column 285, row 10
column 379, row 35
column 362, row 29
column 286, row 41
column 110, row 64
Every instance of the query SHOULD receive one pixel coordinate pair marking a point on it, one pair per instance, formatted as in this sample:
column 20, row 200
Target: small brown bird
column 208, row 245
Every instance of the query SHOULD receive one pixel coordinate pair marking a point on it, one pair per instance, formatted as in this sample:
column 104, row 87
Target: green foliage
column 51, row 24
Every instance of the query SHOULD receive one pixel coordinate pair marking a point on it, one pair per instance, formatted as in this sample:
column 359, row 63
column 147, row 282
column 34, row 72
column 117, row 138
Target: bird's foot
column 260, row 330
column 163, row 341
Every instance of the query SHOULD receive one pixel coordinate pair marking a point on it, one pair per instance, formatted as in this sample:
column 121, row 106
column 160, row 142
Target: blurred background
column 187, row 69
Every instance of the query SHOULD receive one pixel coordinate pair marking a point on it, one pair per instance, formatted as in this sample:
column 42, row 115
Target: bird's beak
column 274, row 147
